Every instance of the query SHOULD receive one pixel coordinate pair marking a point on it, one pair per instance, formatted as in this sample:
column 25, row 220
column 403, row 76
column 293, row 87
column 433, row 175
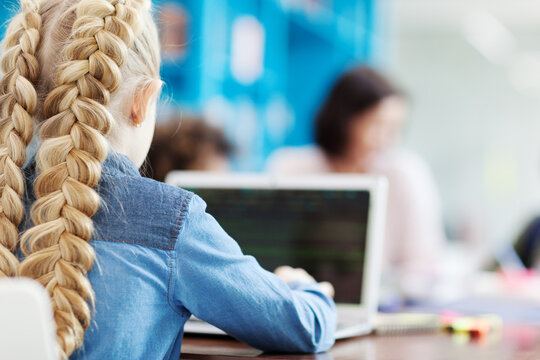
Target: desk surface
column 513, row 342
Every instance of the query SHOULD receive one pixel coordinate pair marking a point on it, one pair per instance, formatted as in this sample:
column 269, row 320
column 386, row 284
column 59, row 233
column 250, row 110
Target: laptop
column 330, row 225
column 27, row 330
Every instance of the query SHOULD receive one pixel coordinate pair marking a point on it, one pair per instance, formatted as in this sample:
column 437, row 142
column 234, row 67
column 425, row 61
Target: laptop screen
column 321, row 231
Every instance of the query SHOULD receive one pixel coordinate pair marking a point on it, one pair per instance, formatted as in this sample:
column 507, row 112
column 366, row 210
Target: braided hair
column 18, row 102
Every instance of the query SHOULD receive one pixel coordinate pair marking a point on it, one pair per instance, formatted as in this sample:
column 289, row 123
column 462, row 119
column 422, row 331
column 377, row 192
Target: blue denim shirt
column 160, row 258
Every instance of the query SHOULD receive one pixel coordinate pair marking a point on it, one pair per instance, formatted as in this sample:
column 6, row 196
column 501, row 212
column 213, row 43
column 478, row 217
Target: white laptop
column 330, row 225
column 27, row 330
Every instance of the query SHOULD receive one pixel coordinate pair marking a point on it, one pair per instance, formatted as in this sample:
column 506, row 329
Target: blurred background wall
column 472, row 70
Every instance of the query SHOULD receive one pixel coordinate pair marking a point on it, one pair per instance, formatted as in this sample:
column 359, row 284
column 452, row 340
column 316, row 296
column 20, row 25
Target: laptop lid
column 330, row 225
column 26, row 321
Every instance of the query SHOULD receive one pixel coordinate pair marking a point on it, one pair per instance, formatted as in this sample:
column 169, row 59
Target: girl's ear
column 142, row 99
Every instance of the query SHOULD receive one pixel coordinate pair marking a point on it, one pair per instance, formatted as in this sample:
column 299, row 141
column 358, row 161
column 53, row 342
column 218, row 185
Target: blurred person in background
column 187, row 143
column 356, row 131
column 527, row 246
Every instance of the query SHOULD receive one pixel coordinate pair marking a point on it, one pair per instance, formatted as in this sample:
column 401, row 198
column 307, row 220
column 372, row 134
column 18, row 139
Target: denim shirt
column 160, row 258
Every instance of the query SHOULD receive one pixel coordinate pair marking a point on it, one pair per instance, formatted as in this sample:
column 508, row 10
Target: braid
column 69, row 162
column 18, row 101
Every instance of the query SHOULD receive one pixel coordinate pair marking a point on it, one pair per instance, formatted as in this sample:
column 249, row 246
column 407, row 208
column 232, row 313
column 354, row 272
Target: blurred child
column 188, row 144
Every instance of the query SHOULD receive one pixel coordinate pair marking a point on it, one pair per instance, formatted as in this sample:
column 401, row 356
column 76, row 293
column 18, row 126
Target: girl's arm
column 217, row 283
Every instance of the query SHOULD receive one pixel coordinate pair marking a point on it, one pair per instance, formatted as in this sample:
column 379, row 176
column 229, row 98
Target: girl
column 126, row 260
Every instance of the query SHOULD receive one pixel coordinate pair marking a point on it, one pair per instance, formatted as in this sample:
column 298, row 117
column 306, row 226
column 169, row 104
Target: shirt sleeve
column 220, row 285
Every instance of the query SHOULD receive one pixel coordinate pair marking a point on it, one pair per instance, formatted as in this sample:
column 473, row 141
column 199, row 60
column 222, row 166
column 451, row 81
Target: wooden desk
column 514, row 342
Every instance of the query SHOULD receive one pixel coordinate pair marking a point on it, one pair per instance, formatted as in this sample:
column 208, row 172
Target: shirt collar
column 119, row 164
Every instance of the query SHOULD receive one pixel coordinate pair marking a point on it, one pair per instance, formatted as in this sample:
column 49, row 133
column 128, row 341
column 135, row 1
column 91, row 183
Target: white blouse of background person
column 414, row 237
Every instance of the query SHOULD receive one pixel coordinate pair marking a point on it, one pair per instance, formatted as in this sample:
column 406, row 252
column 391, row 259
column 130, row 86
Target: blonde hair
column 96, row 44
column 18, row 102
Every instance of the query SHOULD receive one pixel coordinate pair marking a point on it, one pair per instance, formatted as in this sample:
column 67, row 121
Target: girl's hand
column 327, row 289
column 289, row 274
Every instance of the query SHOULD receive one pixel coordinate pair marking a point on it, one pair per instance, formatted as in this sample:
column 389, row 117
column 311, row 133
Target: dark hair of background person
column 355, row 92
column 527, row 246
column 182, row 143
